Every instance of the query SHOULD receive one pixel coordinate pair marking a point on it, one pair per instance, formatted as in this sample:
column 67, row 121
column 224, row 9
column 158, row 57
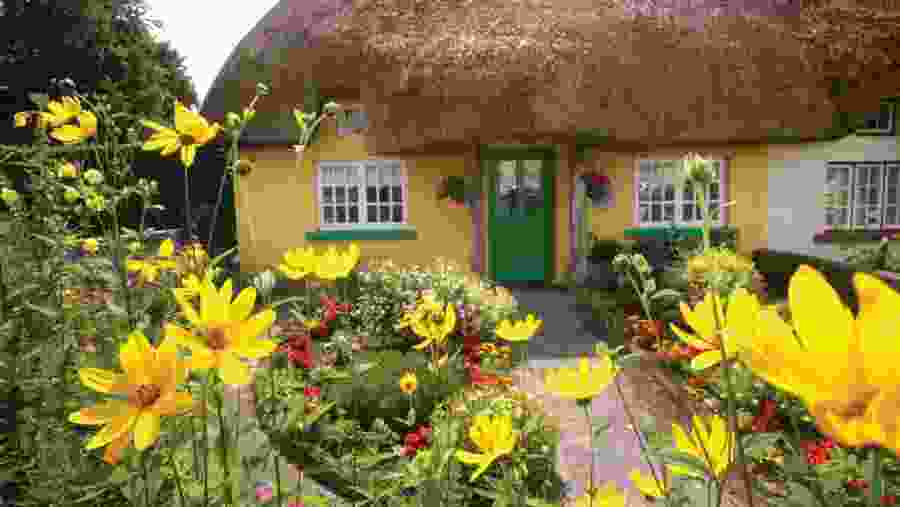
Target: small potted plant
column 598, row 188
column 458, row 190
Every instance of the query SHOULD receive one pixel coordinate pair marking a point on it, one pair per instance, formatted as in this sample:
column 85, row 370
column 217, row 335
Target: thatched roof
column 440, row 71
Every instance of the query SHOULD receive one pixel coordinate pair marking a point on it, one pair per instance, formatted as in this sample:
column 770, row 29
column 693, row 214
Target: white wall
column 797, row 184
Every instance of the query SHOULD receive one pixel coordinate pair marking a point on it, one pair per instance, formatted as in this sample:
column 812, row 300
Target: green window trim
column 362, row 235
column 661, row 232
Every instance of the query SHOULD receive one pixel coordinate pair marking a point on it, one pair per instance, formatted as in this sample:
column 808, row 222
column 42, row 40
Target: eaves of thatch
column 437, row 72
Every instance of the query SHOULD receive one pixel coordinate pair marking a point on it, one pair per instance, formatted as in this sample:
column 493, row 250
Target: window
column 352, row 194
column 862, row 195
column 663, row 199
column 879, row 122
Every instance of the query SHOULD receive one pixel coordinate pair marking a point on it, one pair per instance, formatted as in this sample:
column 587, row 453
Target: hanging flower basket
column 598, row 188
column 459, row 191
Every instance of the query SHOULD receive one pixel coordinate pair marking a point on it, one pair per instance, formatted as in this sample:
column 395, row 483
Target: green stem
column 877, row 482
column 732, row 410
column 276, row 453
column 795, row 442
column 206, row 438
column 215, row 213
column 123, row 265
column 224, row 442
column 146, row 476
column 634, row 426
column 586, row 405
column 177, row 476
column 188, row 233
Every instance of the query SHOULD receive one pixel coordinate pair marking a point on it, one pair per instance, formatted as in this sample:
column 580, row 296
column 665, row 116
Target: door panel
column 519, row 233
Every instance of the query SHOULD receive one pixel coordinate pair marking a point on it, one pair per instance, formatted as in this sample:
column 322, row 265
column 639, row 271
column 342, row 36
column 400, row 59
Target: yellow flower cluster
column 59, row 119
column 719, row 260
column 191, row 131
column 332, row 264
column 218, row 336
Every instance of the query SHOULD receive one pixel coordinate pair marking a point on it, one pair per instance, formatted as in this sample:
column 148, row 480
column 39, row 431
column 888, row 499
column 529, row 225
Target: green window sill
column 661, row 232
column 362, row 235
column 853, row 236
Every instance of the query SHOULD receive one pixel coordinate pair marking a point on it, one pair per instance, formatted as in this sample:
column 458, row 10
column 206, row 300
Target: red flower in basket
column 416, row 440
column 765, row 419
column 332, row 308
column 599, row 179
column 312, row 391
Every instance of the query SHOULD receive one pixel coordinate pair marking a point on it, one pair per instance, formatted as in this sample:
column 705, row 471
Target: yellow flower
column 297, row 263
column 21, row 118
column 90, row 246
column 149, row 385
column 191, row 130
column 647, row 485
column 61, row 111
column 166, row 255
column 487, row 348
column 70, row 134
column 493, row 436
column 709, row 441
column 193, row 259
column 518, row 331
column 147, row 271
column 67, row 170
column 434, row 327
column 582, row 383
column 190, row 287
column 333, row 264
column 223, row 331
column 409, row 383
column 737, row 329
column 607, row 495
column 9, row 196
column 842, row 367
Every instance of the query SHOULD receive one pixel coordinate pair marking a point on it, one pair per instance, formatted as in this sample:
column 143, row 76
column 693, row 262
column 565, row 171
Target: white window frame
column 360, row 183
column 892, row 119
column 889, row 170
column 679, row 189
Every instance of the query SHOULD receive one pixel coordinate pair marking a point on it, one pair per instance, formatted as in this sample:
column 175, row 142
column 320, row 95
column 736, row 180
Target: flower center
column 146, row 395
column 216, row 338
column 186, row 139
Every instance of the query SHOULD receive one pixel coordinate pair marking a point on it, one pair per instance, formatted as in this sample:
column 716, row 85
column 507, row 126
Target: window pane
column 353, row 194
column 714, row 211
column 341, row 214
column 372, row 194
column 890, row 215
column 669, row 192
column 875, row 176
column 397, row 193
column 352, row 175
column 714, row 192
column 353, row 214
column 668, row 212
column 338, row 176
column 384, row 194
column 398, row 213
column 687, row 193
column 655, row 193
column 372, row 214
column 873, row 195
column 891, row 197
column 328, row 214
column 327, row 195
column 644, row 213
column 385, row 215
column 340, row 195
column 687, row 212
column 644, row 192
column 656, row 213
column 893, row 175
column 843, row 199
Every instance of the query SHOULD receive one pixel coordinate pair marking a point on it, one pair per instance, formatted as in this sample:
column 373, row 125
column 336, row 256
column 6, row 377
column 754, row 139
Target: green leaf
column 666, row 293
column 758, row 444
column 46, row 312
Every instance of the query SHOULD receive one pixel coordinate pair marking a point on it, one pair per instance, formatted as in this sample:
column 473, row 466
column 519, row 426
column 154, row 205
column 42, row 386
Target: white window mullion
column 891, row 194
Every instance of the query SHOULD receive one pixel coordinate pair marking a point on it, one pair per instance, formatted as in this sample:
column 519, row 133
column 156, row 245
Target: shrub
column 778, row 267
column 604, row 250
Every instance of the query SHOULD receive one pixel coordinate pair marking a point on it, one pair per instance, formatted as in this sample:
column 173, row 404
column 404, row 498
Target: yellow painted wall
column 277, row 205
column 747, row 182
column 565, row 168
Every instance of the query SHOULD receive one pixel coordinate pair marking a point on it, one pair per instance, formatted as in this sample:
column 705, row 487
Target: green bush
column 778, row 267
column 604, row 250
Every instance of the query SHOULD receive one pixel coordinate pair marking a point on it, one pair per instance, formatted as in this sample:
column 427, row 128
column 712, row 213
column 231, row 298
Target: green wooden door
column 520, row 228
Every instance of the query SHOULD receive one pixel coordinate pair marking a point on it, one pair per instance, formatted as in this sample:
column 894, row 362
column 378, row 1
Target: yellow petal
column 188, row 310
column 114, row 450
column 146, row 429
column 878, row 325
column 173, row 403
column 135, row 357
column 820, row 318
column 243, row 304
column 167, row 248
column 257, row 349
column 233, row 371
column 102, row 381
column 101, row 413
column 118, row 426
column 256, row 325
column 706, row 359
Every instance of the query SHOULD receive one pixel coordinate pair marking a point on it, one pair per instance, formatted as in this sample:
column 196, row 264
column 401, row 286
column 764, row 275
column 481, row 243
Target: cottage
column 522, row 99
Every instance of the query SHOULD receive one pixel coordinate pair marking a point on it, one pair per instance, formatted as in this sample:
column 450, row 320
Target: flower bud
column 331, row 108
column 698, row 169
column 134, row 247
column 90, row 246
column 96, row 202
column 68, row 170
column 232, row 120
column 261, row 89
column 249, row 114
column 71, row 195
column 93, row 177
column 9, row 196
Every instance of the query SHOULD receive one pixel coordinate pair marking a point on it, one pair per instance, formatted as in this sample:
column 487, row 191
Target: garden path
column 646, row 389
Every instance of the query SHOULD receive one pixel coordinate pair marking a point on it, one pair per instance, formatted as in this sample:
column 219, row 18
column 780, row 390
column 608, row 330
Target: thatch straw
column 458, row 71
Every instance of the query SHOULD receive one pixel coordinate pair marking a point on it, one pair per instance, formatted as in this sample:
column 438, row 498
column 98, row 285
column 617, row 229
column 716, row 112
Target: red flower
column 763, row 420
column 332, row 308
column 312, row 391
column 425, row 432
column 857, row 484
column 413, row 440
column 816, row 452
column 299, row 350
column 888, row 499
